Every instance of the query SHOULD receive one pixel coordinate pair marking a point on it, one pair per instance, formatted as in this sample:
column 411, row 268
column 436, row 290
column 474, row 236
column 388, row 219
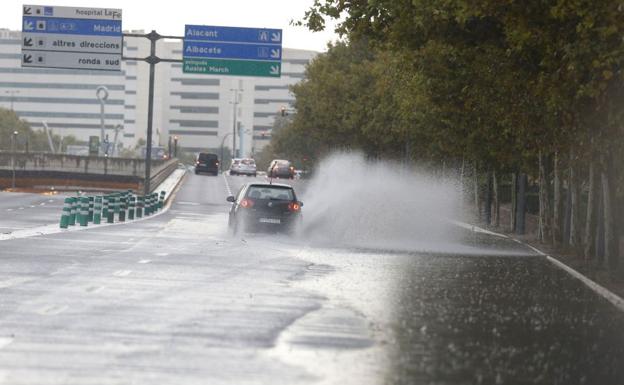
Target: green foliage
column 28, row 139
column 489, row 80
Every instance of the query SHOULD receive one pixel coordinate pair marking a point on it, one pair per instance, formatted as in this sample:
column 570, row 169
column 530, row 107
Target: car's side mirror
column 231, row 199
column 300, row 204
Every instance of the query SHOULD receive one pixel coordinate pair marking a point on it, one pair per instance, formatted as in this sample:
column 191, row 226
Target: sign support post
column 152, row 60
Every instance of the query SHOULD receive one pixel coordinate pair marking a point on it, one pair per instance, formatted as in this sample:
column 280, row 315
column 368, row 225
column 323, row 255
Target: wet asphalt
column 177, row 300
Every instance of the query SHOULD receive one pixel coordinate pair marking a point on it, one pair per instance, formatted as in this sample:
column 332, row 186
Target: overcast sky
column 169, row 17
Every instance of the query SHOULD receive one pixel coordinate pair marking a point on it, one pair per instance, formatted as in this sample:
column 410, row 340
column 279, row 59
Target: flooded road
column 176, row 299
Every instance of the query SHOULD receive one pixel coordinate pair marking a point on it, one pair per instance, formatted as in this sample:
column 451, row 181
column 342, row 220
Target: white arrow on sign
column 29, row 26
column 275, row 53
column 276, row 36
column 274, row 70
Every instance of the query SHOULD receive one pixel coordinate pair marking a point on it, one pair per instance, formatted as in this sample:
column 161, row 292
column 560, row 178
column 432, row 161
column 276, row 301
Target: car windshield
column 270, row 192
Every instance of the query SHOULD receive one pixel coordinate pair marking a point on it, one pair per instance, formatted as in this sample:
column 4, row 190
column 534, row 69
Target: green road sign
column 232, row 67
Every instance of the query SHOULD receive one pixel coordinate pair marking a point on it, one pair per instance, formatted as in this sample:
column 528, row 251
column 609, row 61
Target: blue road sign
column 71, row 26
column 71, row 37
column 232, row 34
column 232, row 50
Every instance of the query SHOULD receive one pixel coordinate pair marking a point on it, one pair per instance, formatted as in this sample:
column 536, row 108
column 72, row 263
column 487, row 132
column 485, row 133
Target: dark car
column 265, row 206
column 279, row 168
column 207, row 162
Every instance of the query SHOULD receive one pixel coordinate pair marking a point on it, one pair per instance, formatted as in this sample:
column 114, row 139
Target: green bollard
column 161, row 201
column 91, row 205
column 105, row 207
column 97, row 210
column 78, row 210
column 66, row 213
column 147, row 205
column 139, row 209
column 72, row 212
column 131, row 209
column 84, row 211
column 117, row 200
column 110, row 218
column 155, row 202
column 122, row 208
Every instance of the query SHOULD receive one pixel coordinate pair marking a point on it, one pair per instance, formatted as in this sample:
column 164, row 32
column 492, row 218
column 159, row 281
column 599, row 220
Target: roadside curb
column 169, row 186
column 616, row 300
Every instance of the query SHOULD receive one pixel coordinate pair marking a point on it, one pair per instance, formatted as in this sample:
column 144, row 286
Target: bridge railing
column 34, row 169
column 34, row 161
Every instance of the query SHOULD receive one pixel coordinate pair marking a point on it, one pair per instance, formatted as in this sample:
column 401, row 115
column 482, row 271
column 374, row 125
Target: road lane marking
column 162, row 254
column 9, row 209
column 95, row 290
column 122, row 273
column 53, row 309
column 5, row 341
column 32, row 206
column 21, row 208
column 42, row 204
column 605, row 293
column 51, row 200
column 188, row 203
column 145, row 261
column 14, row 281
column 227, row 185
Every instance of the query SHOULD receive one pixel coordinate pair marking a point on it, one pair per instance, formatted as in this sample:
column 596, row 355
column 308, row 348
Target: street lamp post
column 13, row 142
column 175, row 146
column 235, row 114
column 102, row 94
column 222, row 142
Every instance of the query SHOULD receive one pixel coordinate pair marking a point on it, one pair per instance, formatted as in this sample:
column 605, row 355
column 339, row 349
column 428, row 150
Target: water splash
column 355, row 202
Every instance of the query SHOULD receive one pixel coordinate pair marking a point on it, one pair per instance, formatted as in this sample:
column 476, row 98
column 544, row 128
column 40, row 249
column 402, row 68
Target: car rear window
column 270, row 192
column 204, row 157
column 248, row 162
column 283, row 163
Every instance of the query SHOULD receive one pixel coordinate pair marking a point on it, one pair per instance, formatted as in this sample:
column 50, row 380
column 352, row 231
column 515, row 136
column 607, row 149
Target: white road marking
column 188, row 203
column 96, row 290
column 53, row 309
column 227, row 185
column 145, row 261
column 21, row 208
column 32, row 206
column 9, row 209
column 122, row 273
column 13, row 281
column 4, row 341
column 162, row 254
column 51, row 200
column 42, row 204
column 616, row 300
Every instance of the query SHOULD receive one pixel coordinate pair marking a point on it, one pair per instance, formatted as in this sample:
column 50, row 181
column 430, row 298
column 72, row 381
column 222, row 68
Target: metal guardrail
column 35, row 161
column 129, row 171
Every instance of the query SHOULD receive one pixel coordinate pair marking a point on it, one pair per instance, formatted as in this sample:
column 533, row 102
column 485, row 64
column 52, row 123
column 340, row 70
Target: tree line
column 505, row 91
column 17, row 135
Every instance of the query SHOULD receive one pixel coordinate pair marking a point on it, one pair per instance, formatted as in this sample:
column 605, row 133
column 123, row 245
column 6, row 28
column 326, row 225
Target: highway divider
column 118, row 207
column 169, row 186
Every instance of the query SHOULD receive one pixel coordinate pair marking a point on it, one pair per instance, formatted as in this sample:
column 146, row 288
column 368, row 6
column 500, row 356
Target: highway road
column 176, row 299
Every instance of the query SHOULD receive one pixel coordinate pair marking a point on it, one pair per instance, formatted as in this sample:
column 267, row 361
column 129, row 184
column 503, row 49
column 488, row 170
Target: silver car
column 245, row 166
